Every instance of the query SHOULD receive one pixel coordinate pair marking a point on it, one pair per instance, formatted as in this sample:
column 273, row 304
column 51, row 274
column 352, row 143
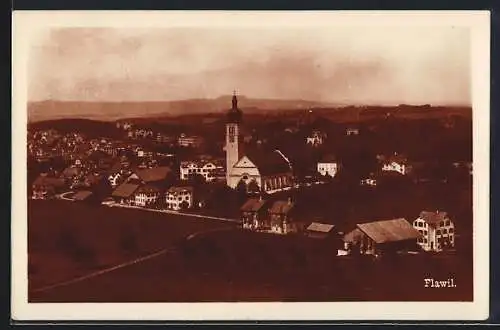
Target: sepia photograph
column 283, row 165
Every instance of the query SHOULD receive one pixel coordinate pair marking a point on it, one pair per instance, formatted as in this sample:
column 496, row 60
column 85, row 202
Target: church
column 268, row 170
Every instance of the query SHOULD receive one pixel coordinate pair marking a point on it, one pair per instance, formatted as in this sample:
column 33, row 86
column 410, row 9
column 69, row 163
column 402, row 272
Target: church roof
column 234, row 115
column 268, row 162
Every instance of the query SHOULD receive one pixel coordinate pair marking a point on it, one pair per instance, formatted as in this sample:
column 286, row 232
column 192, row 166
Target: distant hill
column 109, row 111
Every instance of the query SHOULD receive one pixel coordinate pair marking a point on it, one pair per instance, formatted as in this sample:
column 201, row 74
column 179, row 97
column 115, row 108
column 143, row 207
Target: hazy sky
column 355, row 65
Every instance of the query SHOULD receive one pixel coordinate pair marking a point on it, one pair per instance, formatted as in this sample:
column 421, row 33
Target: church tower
column 233, row 136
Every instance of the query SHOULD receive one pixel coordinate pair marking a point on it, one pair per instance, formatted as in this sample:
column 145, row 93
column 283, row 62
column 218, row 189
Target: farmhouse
column 179, row 198
column 437, row 230
column 380, row 237
column 281, row 217
column 253, row 213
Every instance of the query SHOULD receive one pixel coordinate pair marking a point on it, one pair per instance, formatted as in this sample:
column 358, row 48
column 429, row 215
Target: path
column 124, row 264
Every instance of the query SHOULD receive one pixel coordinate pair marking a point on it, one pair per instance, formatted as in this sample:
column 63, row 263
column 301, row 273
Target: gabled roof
column 177, row 189
column 82, row 195
column 281, row 207
column 328, row 158
column 154, row 174
column 125, row 190
column 147, row 189
column 253, row 205
column 389, row 230
column 433, row 218
column 268, row 162
column 320, row 227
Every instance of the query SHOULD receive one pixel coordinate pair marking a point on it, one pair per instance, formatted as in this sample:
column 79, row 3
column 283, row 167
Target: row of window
column 423, row 224
column 179, row 198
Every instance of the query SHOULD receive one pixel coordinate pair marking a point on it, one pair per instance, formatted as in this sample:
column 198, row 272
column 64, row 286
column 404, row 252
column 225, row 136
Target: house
column 328, row 165
column 319, row 230
column 380, row 237
column 45, row 187
column 189, row 141
column 146, row 195
column 179, row 198
column 281, row 217
column 437, row 230
column 395, row 163
column 253, row 213
column 124, row 193
column 352, row 131
column 161, row 176
column 83, row 195
column 205, row 168
column 316, row 138
column 114, row 179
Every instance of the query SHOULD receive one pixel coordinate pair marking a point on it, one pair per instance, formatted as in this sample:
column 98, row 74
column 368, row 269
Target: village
column 250, row 180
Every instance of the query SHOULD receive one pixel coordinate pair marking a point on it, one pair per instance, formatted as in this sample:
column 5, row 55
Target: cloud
column 374, row 65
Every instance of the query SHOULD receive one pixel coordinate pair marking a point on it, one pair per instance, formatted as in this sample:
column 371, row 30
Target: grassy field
column 244, row 266
column 67, row 239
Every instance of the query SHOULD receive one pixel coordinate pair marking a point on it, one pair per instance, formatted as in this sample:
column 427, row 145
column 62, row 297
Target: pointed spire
column 235, row 101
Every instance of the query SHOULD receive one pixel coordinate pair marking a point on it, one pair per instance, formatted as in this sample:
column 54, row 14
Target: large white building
column 207, row 169
column 328, row 165
column 269, row 170
column 437, row 230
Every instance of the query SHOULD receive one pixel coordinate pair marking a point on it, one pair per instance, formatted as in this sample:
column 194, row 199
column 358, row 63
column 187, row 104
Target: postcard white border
column 27, row 23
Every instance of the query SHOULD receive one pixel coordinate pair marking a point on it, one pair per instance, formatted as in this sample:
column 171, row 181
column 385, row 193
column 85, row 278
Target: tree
column 253, row 187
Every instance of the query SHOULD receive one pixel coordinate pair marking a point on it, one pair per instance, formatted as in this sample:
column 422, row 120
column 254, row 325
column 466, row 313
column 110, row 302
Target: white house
column 178, row 198
column 328, row 165
column 395, row 163
column 437, row 230
column 352, row 131
column 316, row 138
column 146, row 195
column 114, row 179
column 207, row 169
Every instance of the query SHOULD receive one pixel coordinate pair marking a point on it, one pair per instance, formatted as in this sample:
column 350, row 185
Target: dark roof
column 71, row 171
column 48, row 181
column 281, row 207
column 328, row 158
column 177, row 189
column 154, row 174
column 146, row 189
column 253, row 205
column 433, row 218
column 389, row 230
column 93, row 178
column 353, row 236
column 268, row 162
column 82, row 195
column 125, row 190
column 234, row 115
column 320, row 227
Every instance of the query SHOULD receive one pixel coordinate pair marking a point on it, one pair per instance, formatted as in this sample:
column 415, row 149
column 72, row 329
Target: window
column 445, row 231
column 187, row 198
column 447, row 222
column 450, row 230
column 421, row 233
column 438, row 232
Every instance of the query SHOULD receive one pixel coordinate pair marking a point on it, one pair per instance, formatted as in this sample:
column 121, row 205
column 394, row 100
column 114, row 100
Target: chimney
column 289, row 200
column 260, row 197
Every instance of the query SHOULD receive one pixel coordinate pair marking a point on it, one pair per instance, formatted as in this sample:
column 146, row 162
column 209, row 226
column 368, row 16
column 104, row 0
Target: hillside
column 107, row 111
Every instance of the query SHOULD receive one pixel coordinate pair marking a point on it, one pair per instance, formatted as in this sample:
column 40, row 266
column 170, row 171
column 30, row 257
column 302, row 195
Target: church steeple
column 234, row 115
column 235, row 101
